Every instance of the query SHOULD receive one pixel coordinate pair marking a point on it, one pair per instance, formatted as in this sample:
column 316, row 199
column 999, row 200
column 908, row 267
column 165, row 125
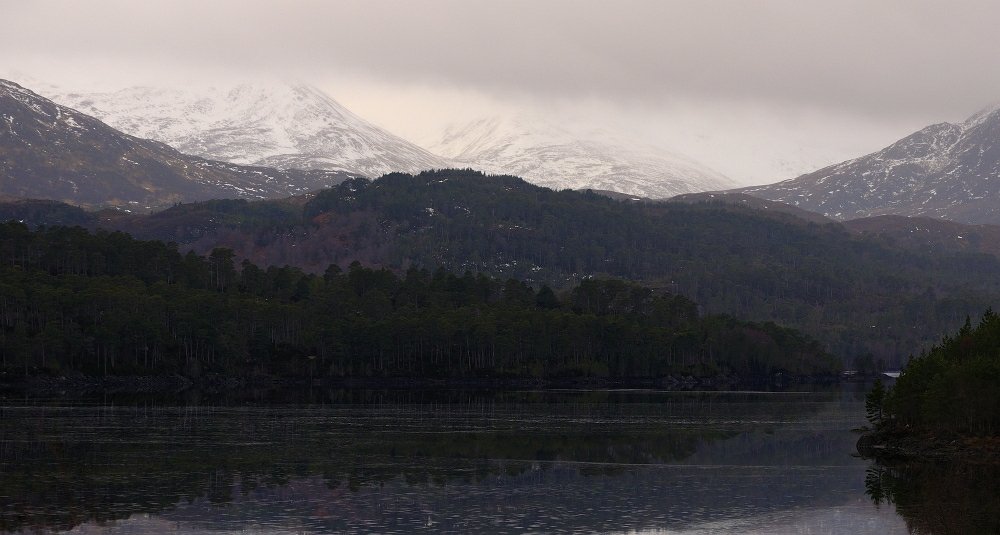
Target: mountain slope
column 947, row 171
column 294, row 125
column 53, row 152
column 930, row 235
column 281, row 125
column 742, row 199
column 754, row 264
column 553, row 157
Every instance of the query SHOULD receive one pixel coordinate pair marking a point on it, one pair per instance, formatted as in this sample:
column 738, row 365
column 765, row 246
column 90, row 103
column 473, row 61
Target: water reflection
column 939, row 498
column 432, row 462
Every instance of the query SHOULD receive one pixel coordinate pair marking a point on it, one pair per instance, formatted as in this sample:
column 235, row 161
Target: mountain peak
column 50, row 151
column 947, row 171
column 286, row 125
column 990, row 113
column 292, row 125
column 557, row 157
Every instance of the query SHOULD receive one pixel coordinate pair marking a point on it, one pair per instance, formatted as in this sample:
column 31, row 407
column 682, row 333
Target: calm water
column 364, row 462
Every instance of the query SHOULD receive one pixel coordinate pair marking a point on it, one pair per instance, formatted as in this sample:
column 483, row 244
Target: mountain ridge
column 54, row 152
column 270, row 124
column 554, row 157
column 912, row 279
column 947, row 171
column 295, row 125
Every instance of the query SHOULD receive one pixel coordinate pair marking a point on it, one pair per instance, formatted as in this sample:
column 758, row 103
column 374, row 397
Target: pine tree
column 873, row 403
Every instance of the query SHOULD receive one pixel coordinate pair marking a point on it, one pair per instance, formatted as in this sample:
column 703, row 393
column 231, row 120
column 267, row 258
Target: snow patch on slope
column 558, row 158
column 294, row 125
column 282, row 125
column 945, row 170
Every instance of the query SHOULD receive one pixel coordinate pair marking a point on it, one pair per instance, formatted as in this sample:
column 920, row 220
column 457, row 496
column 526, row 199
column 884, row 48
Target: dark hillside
column 858, row 294
column 930, row 235
column 74, row 303
column 742, row 199
column 36, row 212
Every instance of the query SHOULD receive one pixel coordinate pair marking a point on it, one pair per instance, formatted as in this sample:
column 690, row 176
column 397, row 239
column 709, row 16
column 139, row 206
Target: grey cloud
column 890, row 58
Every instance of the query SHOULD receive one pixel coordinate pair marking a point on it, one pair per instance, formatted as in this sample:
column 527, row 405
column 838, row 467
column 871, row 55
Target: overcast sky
column 826, row 79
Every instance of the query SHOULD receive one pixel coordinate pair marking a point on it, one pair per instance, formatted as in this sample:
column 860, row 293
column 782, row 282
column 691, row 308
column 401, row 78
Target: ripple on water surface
column 590, row 462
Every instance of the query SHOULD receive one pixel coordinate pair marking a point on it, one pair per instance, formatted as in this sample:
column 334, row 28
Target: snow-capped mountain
column 296, row 126
column 557, row 158
column 48, row 151
column 280, row 125
column 947, row 171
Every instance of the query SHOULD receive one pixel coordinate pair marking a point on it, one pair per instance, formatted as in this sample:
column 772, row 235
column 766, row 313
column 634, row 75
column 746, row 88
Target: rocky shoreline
column 177, row 383
column 909, row 444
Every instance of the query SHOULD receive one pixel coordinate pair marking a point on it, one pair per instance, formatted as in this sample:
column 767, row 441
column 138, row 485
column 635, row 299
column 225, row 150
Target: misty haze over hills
column 280, row 125
column 946, row 171
column 942, row 171
column 484, row 238
column 547, row 155
column 49, row 151
column 295, row 125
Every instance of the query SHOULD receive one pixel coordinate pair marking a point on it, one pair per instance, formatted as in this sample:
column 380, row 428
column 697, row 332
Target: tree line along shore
column 944, row 403
column 76, row 303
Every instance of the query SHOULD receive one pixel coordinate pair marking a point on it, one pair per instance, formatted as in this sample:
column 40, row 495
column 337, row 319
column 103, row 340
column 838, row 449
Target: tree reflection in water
column 66, row 463
column 959, row 498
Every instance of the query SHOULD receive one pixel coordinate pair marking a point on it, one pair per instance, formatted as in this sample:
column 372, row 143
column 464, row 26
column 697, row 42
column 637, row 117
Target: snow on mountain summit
column 281, row 125
column 945, row 170
column 49, row 151
column 557, row 158
column 296, row 126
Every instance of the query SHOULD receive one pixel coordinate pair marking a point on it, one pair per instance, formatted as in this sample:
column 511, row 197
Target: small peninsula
column 944, row 404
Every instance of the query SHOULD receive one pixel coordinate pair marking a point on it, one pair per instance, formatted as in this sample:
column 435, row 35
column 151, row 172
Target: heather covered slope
column 917, row 233
column 930, row 235
column 749, row 201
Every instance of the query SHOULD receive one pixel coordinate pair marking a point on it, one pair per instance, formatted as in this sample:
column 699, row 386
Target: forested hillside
column 857, row 294
column 72, row 302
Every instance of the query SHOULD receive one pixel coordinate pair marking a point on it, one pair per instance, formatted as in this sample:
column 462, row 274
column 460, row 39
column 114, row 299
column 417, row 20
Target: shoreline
column 177, row 383
column 906, row 444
